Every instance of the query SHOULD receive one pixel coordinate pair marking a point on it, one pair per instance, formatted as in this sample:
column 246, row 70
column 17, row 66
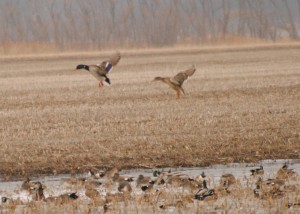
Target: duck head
column 4, row 199
column 73, row 195
column 81, row 66
column 156, row 173
column 158, row 79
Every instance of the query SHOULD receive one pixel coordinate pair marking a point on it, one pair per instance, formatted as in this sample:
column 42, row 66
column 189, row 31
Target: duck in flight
column 176, row 82
column 100, row 71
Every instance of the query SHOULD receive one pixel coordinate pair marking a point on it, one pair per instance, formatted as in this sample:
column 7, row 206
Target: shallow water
column 54, row 187
column 241, row 171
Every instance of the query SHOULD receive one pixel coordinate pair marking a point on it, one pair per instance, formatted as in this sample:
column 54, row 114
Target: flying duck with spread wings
column 176, row 82
column 100, row 71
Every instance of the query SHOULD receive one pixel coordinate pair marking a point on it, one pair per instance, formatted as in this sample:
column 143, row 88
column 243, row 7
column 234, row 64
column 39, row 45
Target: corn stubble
column 240, row 106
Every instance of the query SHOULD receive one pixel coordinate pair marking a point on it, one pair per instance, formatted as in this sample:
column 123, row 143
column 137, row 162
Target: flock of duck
column 101, row 71
column 105, row 188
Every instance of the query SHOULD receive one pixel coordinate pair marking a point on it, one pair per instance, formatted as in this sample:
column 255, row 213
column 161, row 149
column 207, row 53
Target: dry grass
column 163, row 200
column 242, row 105
column 243, row 203
column 20, row 48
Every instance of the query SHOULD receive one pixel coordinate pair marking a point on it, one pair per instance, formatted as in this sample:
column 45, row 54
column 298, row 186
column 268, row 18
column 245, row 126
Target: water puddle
column 53, row 184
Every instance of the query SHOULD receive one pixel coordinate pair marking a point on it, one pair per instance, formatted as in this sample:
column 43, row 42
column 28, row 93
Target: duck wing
column 190, row 71
column 179, row 78
column 114, row 59
column 107, row 65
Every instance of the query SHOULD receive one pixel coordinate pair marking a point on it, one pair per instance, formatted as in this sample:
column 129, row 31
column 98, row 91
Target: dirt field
column 241, row 105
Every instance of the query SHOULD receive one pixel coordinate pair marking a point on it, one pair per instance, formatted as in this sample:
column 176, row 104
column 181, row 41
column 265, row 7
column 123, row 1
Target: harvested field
column 241, row 105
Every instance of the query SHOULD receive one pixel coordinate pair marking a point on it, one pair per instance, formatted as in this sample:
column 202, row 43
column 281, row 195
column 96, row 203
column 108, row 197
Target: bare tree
column 225, row 17
column 98, row 24
column 291, row 28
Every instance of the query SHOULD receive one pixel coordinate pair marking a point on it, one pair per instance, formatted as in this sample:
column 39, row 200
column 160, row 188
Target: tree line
column 98, row 24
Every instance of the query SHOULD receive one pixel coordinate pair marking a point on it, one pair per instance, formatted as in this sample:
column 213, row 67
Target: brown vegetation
column 242, row 105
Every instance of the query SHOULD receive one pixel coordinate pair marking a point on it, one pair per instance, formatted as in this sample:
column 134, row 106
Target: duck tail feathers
column 107, row 80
